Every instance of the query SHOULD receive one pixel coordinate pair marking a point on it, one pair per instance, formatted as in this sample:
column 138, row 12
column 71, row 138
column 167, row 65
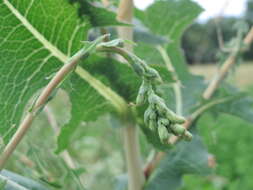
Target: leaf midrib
column 116, row 100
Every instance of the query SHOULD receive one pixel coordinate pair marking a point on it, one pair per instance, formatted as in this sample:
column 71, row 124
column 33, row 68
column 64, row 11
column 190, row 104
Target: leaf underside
column 36, row 39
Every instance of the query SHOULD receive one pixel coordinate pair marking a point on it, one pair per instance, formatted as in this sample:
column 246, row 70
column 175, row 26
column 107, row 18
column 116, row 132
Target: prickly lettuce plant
column 52, row 47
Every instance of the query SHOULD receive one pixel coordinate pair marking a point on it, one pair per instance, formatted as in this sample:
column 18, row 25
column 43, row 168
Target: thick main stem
column 131, row 141
column 132, row 152
column 40, row 102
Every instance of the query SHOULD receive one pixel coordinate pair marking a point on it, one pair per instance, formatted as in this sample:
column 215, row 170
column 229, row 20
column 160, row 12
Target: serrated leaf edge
column 117, row 101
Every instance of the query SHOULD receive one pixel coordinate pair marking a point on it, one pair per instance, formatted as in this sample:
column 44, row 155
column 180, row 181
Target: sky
column 212, row 7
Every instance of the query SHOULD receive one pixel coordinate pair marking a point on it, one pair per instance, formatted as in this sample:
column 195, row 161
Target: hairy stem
column 130, row 133
column 40, row 102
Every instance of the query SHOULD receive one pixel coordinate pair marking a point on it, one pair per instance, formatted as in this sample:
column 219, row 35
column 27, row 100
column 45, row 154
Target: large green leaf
column 149, row 53
column 120, row 77
column 83, row 97
column 97, row 16
column 240, row 107
column 36, row 38
column 185, row 158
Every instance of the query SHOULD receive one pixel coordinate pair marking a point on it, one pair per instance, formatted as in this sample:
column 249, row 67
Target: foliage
column 99, row 97
column 231, row 171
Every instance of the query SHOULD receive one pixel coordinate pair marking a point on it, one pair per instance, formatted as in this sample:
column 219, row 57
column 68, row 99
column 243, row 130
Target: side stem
column 214, row 84
column 40, row 102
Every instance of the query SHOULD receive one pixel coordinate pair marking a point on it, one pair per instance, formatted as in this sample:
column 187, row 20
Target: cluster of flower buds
column 158, row 116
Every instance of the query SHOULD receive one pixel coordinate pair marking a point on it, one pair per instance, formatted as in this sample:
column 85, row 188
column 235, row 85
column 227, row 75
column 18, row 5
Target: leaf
column 97, row 16
column 86, row 106
column 240, row 107
column 142, row 34
column 15, row 181
column 185, row 158
column 36, row 38
column 120, row 77
column 148, row 53
column 191, row 94
column 27, row 55
column 170, row 18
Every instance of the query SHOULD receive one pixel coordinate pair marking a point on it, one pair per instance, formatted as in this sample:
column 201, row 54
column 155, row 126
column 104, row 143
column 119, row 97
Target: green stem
column 207, row 106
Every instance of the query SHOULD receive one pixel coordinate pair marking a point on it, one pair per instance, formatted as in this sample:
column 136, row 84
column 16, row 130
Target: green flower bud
column 154, row 99
column 142, row 94
column 152, row 74
column 147, row 113
column 163, row 109
column 173, row 117
column 137, row 65
column 178, row 129
column 169, row 130
column 164, row 121
column 163, row 133
column 140, row 99
column 187, row 136
column 153, row 115
column 138, row 68
column 152, row 125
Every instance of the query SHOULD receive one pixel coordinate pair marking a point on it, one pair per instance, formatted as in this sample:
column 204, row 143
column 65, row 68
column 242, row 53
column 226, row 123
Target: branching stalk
column 214, row 84
column 40, row 102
